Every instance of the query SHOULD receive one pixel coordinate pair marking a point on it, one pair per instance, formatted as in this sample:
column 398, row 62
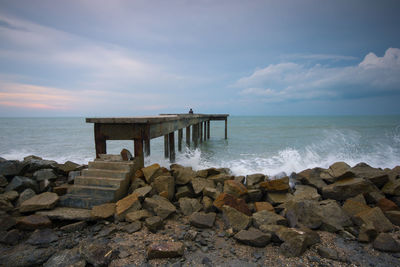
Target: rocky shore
column 340, row 216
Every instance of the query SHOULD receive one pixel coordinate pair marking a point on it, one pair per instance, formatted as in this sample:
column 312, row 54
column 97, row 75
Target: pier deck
column 142, row 129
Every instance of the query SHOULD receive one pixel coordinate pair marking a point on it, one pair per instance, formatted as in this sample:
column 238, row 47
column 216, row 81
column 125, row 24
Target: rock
column 376, row 218
column 385, row 242
column 126, row 155
column 254, row 195
column 25, row 195
column 44, row 201
column 150, row 172
column 165, row 250
column 9, row 196
column 340, row 170
column 327, row 253
column 42, row 237
column 386, row 205
column 240, row 179
column 351, row 207
column 202, row 219
column 367, row 232
column 259, row 206
column 201, row 173
column 359, row 198
column 27, row 256
column 346, row 188
column 3, row 181
column 7, row 223
column 97, row 253
column 235, row 219
column 220, row 178
column 183, row 175
column 144, row 191
column 33, row 222
column 11, row 168
column 44, row 174
column 373, row 197
column 254, row 179
column 277, row 185
column 34, row 164
column 305, row 192
column 64, row 213
column 211, row 192
column 127, row 204
column 137, row 215
column 207, row 204
column 160, row 206
column 154, row 223
column 103, row 211
column 61, row 190
column 312, row 177
column 234, row 188
column 189, row 205
column 72, row 175
column 6, row 205
column 393, row 216
column 296, row 241
column 392, row 188
column 165, row 183
column 276, row 198
column 67, row 166
column 66, row 258
column 11, row 238
column 199, row 184
column 272, row 230
column 183, row 191
column 253, row 237
column 266, row 217
column 229, row 200
column 73, row 227
column 20, row 183
column 376, row 176
column 132, row 227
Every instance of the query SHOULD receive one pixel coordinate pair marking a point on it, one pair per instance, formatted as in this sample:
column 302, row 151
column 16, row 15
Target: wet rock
column 211, row 192
column 33, row 222
column 11, row 237
column 235, row 219
column 6, row 205
column 7, row 223
column 165, row 183
column 277, row 185
column 340, row 170
column 9, row 196
column 160, row 206
column 42, row 237
column 154, row 223
column 103, row 211
column 127, row 204
column 132, row 227
column 27, row 256
column 266, row 217
column 327, row 253
column 144, row 191
column 20, row 183
column 183, row 191
column 44, row 174
column 276, row 198
column 392, row 188
column 376, row 176
column 259, row 206
column 374, row 217
column 367, row 232
column 386, row 205
column 150, row 172
column 25, row 195
column 189, row 205
column 254, row 195
column 44, row 201
column 254, row 179
column 73, row 227
column 183, row 175
column 359, row 198
column 202, row 219
column 165, row 250
column 137, row 215
column 373, row 197
column 234, row 188
column 207, row 204
column 393, row 216
column 126, row 155
column 220, row 178
column 351, row 207
column 385, row 242
column 66, row 258
column 305, row 192
column 346, row 188
column 64, row 213
column 97, row 253
column 229, row 200
column 253, row 237
column 11, row 167
column 3, row 181
column 198, row 184
column 272, row 230
column 296, row 241
column 312, row 177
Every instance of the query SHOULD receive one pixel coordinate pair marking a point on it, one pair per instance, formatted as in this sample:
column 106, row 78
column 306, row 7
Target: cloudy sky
column 126, row 58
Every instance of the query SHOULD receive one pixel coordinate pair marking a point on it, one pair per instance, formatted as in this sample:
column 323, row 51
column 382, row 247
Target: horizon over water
column 255, row 144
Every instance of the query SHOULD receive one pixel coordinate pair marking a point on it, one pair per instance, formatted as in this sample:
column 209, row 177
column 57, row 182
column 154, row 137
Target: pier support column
column 188, row 136
column 201, row 132
column 100, row 141
column 205, row 131
column 180, row 136
column 226, row 128
column 138, row 144
column 166, row 150
column 195, row 135
column 147, row 147
column 171, row 147
column 208, row 129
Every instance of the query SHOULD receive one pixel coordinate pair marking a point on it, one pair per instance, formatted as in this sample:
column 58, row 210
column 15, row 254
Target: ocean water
column 255, row 144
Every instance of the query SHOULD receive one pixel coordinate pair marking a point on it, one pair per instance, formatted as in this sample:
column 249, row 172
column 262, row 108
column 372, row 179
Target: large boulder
column 3, row 181
column 376, row 176
column 392, row 188
column 25, row 195
column 199, row 184
column 254, row 179
column 259, row 206
column 340, row 170
column 33, row 222
column 385, row 242
column 351, row 207
column 276, row 185
column 276, row 198
column 150, row 172
column 393, row 216
column 183, row 175
column 229, row 200
column 220, row 178
column 235, row 219
column 97, row 253
column 312, row 177
column 44, row 174
column 126, row 205
column 266, row 217
column 64, row 258
column 253, row 237
column 165, row 184
column 347, row 187
column 20, row 183
column 305, row 192
column 165, row 250
column 154, row 223
column 160, row 206
column 44, row 201
column 374, row 217
column 234, row 188
column 65, row 213
column 11, row 168
column 189, row 205
column 103, row 211
column 137, row 215
column 296, row 241
column 67, row 167
column 183, row 191
column 202, row 219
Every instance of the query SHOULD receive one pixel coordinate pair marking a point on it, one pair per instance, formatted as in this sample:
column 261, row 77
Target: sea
column 256, row 144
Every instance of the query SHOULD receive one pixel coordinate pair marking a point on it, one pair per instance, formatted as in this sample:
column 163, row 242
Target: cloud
column 292, row 81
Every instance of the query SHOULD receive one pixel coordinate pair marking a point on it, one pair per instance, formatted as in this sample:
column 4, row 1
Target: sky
column 134, row 58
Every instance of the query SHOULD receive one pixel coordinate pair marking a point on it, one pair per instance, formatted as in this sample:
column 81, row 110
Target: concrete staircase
column 104, row 181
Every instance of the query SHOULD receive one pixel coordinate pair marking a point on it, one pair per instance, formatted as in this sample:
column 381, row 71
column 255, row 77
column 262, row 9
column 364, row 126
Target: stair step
column 82, row 201
column 94, row 191
column 111, row 165
column 98, row 181
column 104, row 173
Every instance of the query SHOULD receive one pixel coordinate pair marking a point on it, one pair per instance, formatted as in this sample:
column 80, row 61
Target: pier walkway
column 142, row 129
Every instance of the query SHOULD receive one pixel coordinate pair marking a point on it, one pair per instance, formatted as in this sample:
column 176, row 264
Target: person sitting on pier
column 190, row 111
